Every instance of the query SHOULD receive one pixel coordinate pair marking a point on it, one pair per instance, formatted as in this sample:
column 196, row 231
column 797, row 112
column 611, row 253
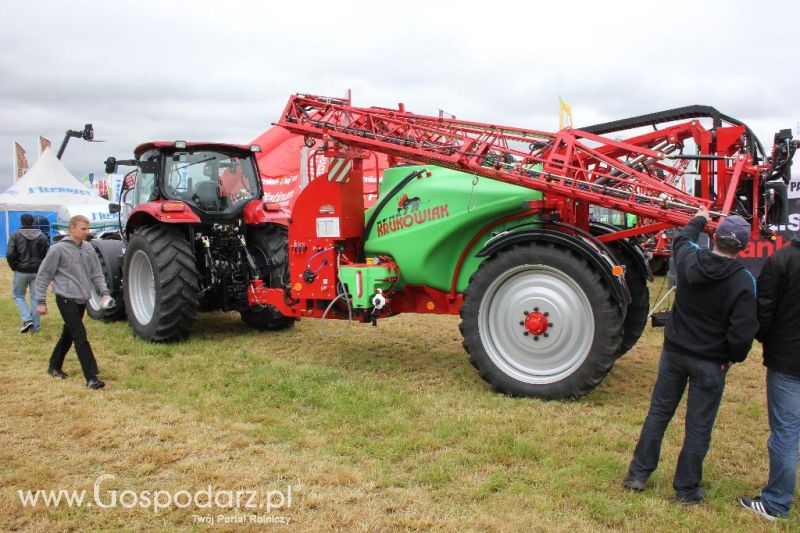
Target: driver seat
column 207, row 194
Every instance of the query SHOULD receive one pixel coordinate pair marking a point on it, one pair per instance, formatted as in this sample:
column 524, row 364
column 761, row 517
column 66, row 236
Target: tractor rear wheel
column 538, row 320
column 160, row 284
column 266, row 318
column 269, row 247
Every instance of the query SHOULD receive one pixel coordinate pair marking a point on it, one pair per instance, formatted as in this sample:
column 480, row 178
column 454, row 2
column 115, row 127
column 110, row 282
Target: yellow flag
column 564, row 115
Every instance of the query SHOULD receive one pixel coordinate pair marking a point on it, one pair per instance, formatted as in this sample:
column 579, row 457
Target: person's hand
column 105, row 301
column 703, row 212
column 41, row 309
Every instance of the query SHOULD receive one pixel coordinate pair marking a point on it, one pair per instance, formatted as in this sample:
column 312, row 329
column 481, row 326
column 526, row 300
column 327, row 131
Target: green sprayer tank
column 426, row 225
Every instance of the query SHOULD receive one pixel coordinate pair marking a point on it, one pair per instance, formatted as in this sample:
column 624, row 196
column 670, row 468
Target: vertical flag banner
column 114, row 186
column 44, row 144
column 102, row 189
column 88, row 181
column 564, row 114
column 20, row 162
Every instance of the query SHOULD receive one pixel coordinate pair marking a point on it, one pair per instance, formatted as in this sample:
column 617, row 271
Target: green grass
column 381, row 428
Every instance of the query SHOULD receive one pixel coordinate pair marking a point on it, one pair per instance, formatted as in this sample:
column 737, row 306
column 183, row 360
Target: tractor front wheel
column 539, row 320
column 109, row 253
column 160, row 284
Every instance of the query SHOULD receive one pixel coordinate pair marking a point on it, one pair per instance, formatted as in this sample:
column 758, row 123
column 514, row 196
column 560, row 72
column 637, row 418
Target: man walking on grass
column 74, row 269
column 711, row 325
column 779, row 331
column 26, row 248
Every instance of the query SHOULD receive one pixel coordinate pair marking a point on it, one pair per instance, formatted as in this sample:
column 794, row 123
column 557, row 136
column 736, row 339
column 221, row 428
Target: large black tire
column 160, row 284
column 583, row 334
column 269, row 247
column 109, row 252
column 638, row 309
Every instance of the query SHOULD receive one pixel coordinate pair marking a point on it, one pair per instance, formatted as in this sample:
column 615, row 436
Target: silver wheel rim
column 549, row 359
column 142, row 284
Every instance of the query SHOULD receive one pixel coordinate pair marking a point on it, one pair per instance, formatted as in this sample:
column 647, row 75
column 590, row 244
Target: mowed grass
column 374, row 428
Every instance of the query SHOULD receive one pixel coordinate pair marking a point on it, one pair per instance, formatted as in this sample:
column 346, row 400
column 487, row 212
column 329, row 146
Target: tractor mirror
column 113, row 208
column 111, row 165
column 149, row 167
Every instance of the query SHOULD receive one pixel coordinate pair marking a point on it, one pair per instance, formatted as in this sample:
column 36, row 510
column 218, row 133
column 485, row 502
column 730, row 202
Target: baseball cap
column 734, row 229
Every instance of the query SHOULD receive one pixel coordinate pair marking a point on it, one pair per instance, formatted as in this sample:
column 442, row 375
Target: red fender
column 154, row 211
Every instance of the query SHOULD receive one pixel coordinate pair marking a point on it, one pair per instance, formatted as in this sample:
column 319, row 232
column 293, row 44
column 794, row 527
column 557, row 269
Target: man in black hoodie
column 26, row 249
column 712, row 325
column 779, row 321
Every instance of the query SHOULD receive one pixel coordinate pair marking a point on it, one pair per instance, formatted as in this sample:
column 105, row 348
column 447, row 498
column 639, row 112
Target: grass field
column 373, row 429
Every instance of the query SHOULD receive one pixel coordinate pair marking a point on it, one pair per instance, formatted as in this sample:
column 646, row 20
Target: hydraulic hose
column 381, row 204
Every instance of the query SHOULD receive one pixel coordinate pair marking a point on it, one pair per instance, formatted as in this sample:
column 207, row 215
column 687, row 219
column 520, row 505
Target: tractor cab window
column 145, row 188
column 213, row 182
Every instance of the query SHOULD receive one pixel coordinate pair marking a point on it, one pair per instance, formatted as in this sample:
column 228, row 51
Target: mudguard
column 595, row 253
column 632, row 250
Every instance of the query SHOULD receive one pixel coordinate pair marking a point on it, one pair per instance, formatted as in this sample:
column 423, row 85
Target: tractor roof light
column 173, row 207
column 255, row 148
column 181, row 145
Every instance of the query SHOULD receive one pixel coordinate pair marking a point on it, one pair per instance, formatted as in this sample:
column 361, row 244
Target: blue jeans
column 783, row 403
column 22, row 282
column 706, row 381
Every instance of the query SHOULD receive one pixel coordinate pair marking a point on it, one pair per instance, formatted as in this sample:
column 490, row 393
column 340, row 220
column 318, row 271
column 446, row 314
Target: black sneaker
column 95, row 383
column 57, row 373
column 757, row 506
column 633, row 484
column 694, row 499
column 26, row 327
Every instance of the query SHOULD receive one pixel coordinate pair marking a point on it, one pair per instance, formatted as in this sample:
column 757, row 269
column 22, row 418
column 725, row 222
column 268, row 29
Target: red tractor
column 194, row 236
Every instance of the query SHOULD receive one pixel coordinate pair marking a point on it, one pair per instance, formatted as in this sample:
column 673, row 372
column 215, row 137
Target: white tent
column 49, row 191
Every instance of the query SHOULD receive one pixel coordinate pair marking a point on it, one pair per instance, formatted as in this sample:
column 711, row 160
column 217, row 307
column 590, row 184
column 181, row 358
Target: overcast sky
column 201, row 70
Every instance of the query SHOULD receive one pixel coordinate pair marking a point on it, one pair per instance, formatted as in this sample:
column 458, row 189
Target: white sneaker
column 757, row 506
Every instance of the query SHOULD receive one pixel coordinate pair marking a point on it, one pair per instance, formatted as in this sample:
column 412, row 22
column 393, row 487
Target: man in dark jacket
column 712, row 325
column 26, row 249
column 778, row 294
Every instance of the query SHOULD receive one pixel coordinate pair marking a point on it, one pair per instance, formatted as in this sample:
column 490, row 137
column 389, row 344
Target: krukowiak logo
column 410, row 213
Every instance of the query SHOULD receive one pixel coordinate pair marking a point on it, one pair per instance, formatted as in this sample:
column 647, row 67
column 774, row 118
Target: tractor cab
column 214, row 181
